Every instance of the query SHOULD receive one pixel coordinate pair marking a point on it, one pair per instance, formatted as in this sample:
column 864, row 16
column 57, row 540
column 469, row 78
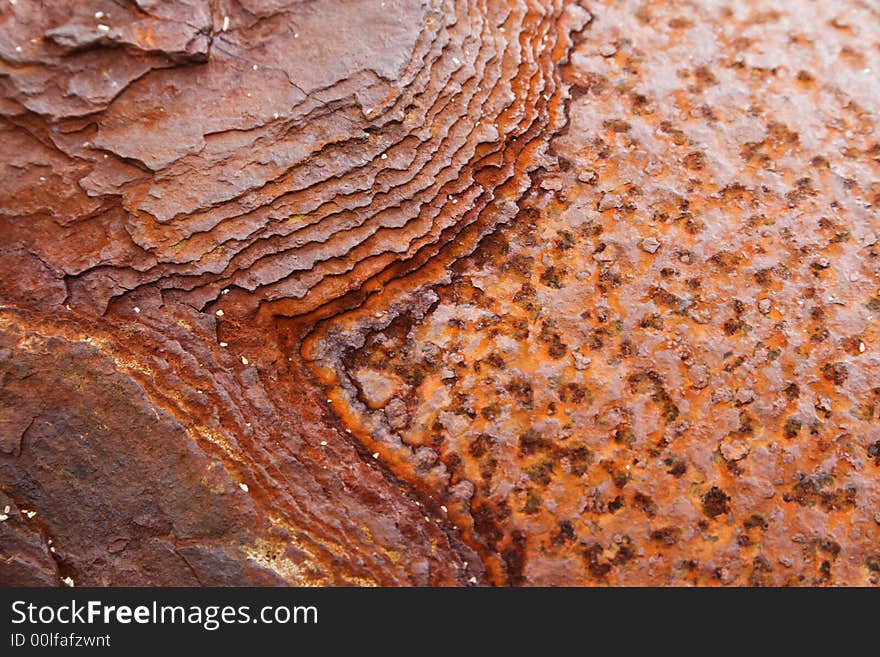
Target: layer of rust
column 665, row 371
column 444, row 292
column 178, row 178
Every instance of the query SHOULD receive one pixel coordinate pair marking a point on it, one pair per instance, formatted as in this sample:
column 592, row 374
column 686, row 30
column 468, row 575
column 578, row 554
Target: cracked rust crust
column 439, row 292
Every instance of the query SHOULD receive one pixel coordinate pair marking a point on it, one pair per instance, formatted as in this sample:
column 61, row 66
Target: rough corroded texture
column 443, row 292
column 665, row 371
column 177, row 179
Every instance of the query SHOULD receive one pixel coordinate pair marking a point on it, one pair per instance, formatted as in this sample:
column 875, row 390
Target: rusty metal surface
column 665, row 370
column 439, row 292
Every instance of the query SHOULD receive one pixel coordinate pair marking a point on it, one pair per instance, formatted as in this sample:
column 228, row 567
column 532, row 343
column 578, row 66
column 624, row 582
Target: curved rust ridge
column 187, row 189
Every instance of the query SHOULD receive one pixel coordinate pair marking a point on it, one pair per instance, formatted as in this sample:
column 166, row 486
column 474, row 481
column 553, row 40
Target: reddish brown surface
column 260, row 324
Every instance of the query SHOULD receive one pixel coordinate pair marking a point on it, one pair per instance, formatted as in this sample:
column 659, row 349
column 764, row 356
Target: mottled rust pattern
column 665, row 371
column 445, row 292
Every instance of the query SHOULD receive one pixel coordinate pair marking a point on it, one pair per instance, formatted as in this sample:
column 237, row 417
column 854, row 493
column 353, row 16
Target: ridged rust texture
column 441, row 292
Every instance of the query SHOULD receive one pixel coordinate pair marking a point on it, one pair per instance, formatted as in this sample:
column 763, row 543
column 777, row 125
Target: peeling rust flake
column 439, row 292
